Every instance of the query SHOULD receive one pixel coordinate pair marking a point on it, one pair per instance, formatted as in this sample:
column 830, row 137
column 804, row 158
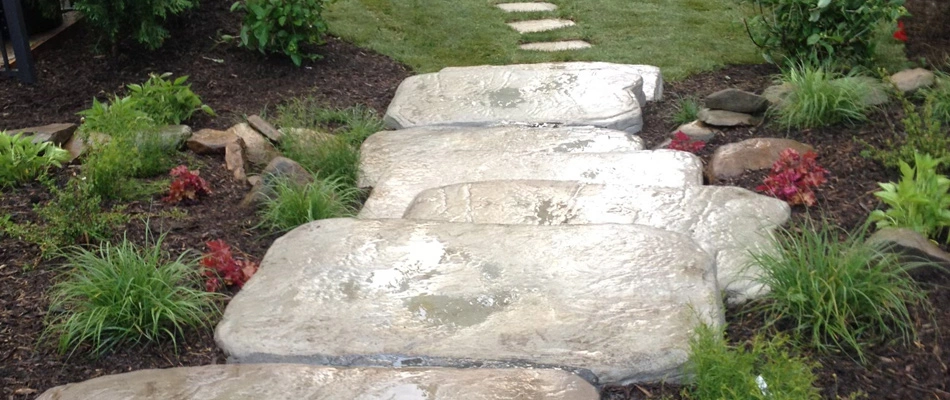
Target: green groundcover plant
column 282, row 26
column 919, row 201
column 21, row 160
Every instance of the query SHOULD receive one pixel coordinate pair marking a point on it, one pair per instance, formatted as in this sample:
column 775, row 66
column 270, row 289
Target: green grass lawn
column 682, row 37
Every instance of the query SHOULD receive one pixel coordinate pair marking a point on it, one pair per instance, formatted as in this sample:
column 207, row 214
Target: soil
column 236, row 82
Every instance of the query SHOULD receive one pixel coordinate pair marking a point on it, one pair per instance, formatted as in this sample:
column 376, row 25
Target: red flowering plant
column 220, row 267
column 793, row 176
column 187, row 185
column 900, row 33
column 682, row 142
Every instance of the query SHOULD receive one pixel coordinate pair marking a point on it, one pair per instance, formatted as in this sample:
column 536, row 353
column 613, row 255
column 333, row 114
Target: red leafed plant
column 682, row 142
column 221, row 267
column 900, row 33
column 793, row 176
column 187, row 185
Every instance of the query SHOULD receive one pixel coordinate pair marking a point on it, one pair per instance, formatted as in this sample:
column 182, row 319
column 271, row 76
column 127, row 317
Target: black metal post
column 25, row 70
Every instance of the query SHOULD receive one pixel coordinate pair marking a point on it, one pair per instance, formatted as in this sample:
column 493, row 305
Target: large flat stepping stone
column 387, row 148
column 527, row 7
column 394, row 191
column 613, row 303
column 575, row 93
column 295, row 382
column 727, row 222
column 540, row 25
column 560, row 45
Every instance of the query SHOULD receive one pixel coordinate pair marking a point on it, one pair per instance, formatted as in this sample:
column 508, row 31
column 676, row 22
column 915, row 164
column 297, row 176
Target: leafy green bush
column 815, row 32
column 686, row 110
column 282, row 26
column 720, row 371
column 920, row 201
column 139, row 19
column 923, row 133
column 837, row 295
column 292, row 205
column 125, row 293
column 22, row 160
column 819, row 98
column 167, row 102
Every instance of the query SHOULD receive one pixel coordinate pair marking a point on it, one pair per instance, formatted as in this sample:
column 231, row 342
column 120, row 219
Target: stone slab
column 295, row 382
column 394, row 191
column 574, row 93
column 612, row 303
column 561, row 45
column 58, row 134
column 527, row 7
column 381, row 151
column 727, row 222
column 540, row 25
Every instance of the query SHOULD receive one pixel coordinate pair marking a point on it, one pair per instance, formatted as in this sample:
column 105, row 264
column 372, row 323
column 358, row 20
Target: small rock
column 910, row 80
column 55, row 133
column 234, row 159
column 876, row 94
column 776, row 94
column 914, row 246
column 278, row 167
column 734, row 159
column 697, row 130
column 737, row 101
column 265, row 128
column 175, row 134
column 257, row 149
column 727, row 118
column 210, row 141
column 253, row 180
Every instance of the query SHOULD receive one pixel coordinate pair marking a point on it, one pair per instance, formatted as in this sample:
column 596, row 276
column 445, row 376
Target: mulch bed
column 236, row 82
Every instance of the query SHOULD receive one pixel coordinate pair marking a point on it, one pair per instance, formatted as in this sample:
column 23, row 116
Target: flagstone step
column 406, row 177
column 614, row 303
column 540, row 25
column 387, row 148
column 727, row 222
column 295, row 382
column 527, row 7
column 561, row 45
column 576, row 93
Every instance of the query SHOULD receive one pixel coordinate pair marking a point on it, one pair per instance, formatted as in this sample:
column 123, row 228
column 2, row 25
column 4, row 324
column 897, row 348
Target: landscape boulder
column 734, row 159
column 57, row 134
column 258, row 150
column 737, row 100
column 278, row 168
column 697, row 130
column 727, row 118
column 910, row 80
column 265, row 128
column 210, row 141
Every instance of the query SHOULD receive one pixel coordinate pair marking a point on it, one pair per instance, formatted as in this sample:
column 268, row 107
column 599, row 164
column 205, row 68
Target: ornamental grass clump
column 819, row 97
column 837, row 295
column 292, row 204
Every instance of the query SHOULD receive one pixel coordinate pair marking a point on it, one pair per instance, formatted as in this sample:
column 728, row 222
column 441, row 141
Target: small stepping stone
column 387, row 148
column 575, row 93
column 727, row 222
column 527, row 7
column 540, row 25
column 562, row 45
column 294, row 382
column 405, row 179
column 613, row 303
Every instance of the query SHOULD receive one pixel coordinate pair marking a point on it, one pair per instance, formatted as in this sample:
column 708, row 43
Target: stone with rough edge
column 736, row 100
column 210, row 141
column 381, row 151
column 540, row 25
column 697, row 130
column 394, row 192
column 613, row 303
column 727, row 118
column 734, row 159
column 561, row 45
column 294, row 382
column 727, row 222
column 58, row 134
column 258, row 150
column 574, row 93
column 265, row 128
column 526, row 7
column 910, row 80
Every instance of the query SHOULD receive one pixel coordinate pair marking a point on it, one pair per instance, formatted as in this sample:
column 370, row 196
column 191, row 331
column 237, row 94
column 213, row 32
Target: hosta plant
column 793, row 177
column 187, row 185
column 221, row 269
column 22, row 160
column 682, row 142
column 920, row 201
column 167, row 101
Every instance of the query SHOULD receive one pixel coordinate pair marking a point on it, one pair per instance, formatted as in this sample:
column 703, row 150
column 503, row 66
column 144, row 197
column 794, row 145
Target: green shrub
column 139, row 19
column 167, row 102
column 282, row 26
column 815, row 32
column 292, row 205
column 819, row 98
column 939, row 98
column 720, row 371
column 923, row 133
column 837, row 294
column 22, row 160
column 119, row 294
column 120, row 117
column 686, row 110
column 920, row 201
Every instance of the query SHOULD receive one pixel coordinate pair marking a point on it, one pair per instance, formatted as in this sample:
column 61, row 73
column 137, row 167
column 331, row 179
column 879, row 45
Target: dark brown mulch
column 928, row 31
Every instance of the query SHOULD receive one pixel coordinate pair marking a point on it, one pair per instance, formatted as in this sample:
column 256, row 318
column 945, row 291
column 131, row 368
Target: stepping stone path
column 541, row 25
column 518, row 243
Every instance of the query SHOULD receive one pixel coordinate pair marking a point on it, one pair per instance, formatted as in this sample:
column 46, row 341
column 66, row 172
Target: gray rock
column 727, row 222
column 910, row 80
column 776, row 94
column 210, row 141
column 295, row 382
column 527, row 7
column 265, row 128
column 395, row 191
column 875, row 95
column 384, row 150
column 540, row 25
column 734, row 159
column 737, row 100
column 58, row 134
column 174, row 135
column 615, row 303
column 258, row 150
column 913, row 245
column 583, row 93
column 560, row 45
column 727, row 118
column 278, row 168
column 697, row 130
